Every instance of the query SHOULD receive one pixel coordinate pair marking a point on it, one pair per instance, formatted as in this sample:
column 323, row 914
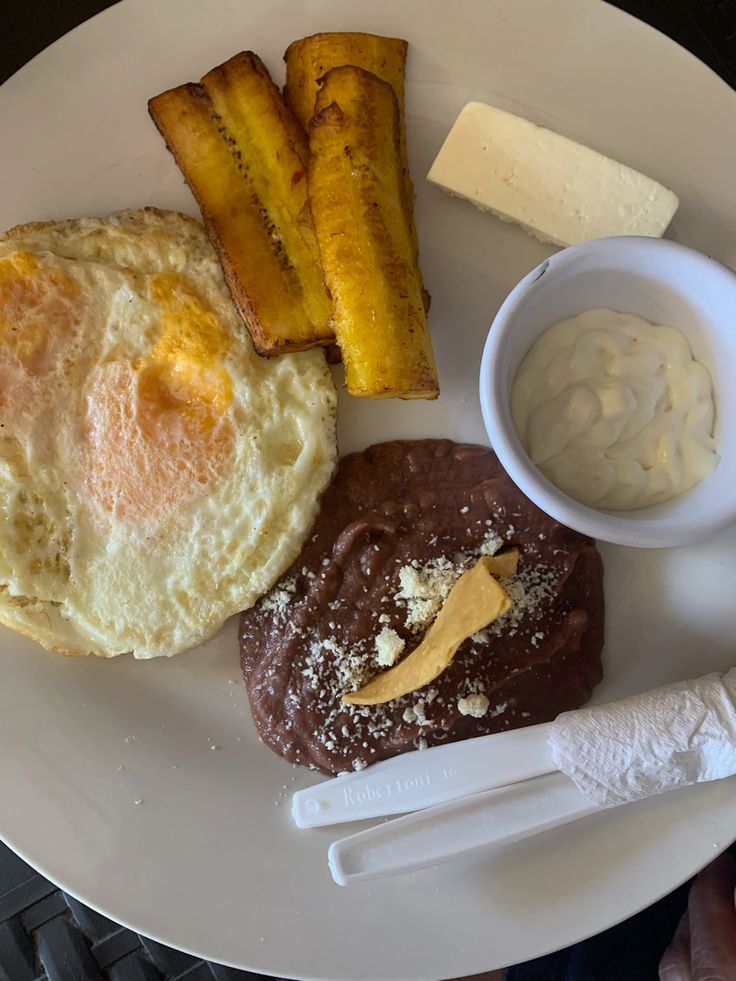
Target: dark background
column 705, row 27
column 46, row 935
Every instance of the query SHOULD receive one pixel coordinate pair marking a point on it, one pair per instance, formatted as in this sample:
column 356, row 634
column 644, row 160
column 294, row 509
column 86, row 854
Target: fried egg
column 156, row 474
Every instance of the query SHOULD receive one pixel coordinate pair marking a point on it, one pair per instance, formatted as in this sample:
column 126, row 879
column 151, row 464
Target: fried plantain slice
column 355, row 187
column 244, row 157
column 309, row 58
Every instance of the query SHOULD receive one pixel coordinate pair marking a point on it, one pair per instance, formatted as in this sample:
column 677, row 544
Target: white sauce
column 615, row 410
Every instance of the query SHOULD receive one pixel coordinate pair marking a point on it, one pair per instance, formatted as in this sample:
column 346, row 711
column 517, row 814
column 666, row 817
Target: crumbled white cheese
column 475, row 705
column 420, row 713
column 417, row 713
column 529, row 591
column 347, row 668
column 491, row 543
column 278, row 599
column 388, row 647
column 425, row 588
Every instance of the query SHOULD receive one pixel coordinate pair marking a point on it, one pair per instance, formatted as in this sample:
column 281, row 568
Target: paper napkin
column 623, row 751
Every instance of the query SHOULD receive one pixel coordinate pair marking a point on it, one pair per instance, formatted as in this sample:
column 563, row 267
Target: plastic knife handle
column 426, row 777
column 458, row 829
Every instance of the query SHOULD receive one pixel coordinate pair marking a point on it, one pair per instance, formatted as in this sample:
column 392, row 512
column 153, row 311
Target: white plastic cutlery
column 457, row 829
column 419, row 780
column 494, row 790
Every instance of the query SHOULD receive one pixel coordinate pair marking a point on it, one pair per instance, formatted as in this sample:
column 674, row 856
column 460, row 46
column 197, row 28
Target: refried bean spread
column 399, row 525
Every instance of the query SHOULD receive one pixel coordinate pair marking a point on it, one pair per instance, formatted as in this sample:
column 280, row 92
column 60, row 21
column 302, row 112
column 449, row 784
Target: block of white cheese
column 558, row 190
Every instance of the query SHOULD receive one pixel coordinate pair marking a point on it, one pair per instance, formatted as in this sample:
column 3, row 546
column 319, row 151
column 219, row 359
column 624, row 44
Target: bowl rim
column 493, row 390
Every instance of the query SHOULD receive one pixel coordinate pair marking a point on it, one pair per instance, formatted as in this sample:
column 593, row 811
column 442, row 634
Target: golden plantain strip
column 251, row 190
column 274, row 149
column 364, row 238
column 308, row 59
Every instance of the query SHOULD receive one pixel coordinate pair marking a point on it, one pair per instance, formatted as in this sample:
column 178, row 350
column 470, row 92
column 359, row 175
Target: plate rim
column 306, row 977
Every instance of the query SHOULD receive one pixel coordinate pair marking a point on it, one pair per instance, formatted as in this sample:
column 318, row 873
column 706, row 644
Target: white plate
column 209, row 861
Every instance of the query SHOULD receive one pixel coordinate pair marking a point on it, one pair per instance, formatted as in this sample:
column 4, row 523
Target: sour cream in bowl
column 606, row 390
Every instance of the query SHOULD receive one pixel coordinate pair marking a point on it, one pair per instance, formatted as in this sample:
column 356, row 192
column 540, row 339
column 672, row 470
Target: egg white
column 113, row 541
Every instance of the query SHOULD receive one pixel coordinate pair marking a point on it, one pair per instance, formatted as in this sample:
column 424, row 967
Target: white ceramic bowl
column 661, row 281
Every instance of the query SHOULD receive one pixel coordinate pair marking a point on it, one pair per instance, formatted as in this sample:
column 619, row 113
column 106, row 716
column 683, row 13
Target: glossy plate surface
column 209, row 860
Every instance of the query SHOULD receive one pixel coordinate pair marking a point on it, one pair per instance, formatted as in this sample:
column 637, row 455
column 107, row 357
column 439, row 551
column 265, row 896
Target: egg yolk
column 187, row 359
column 158, row 433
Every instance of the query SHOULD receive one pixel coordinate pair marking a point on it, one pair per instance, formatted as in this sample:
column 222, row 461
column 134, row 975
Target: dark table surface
column 45, row 934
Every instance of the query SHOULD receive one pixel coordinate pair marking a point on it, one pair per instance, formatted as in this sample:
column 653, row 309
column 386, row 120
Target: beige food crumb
column 280, row 597
column 425, row 588
column 420, row 713
column 388, row 647
column 475, row 705
column 490, row 544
